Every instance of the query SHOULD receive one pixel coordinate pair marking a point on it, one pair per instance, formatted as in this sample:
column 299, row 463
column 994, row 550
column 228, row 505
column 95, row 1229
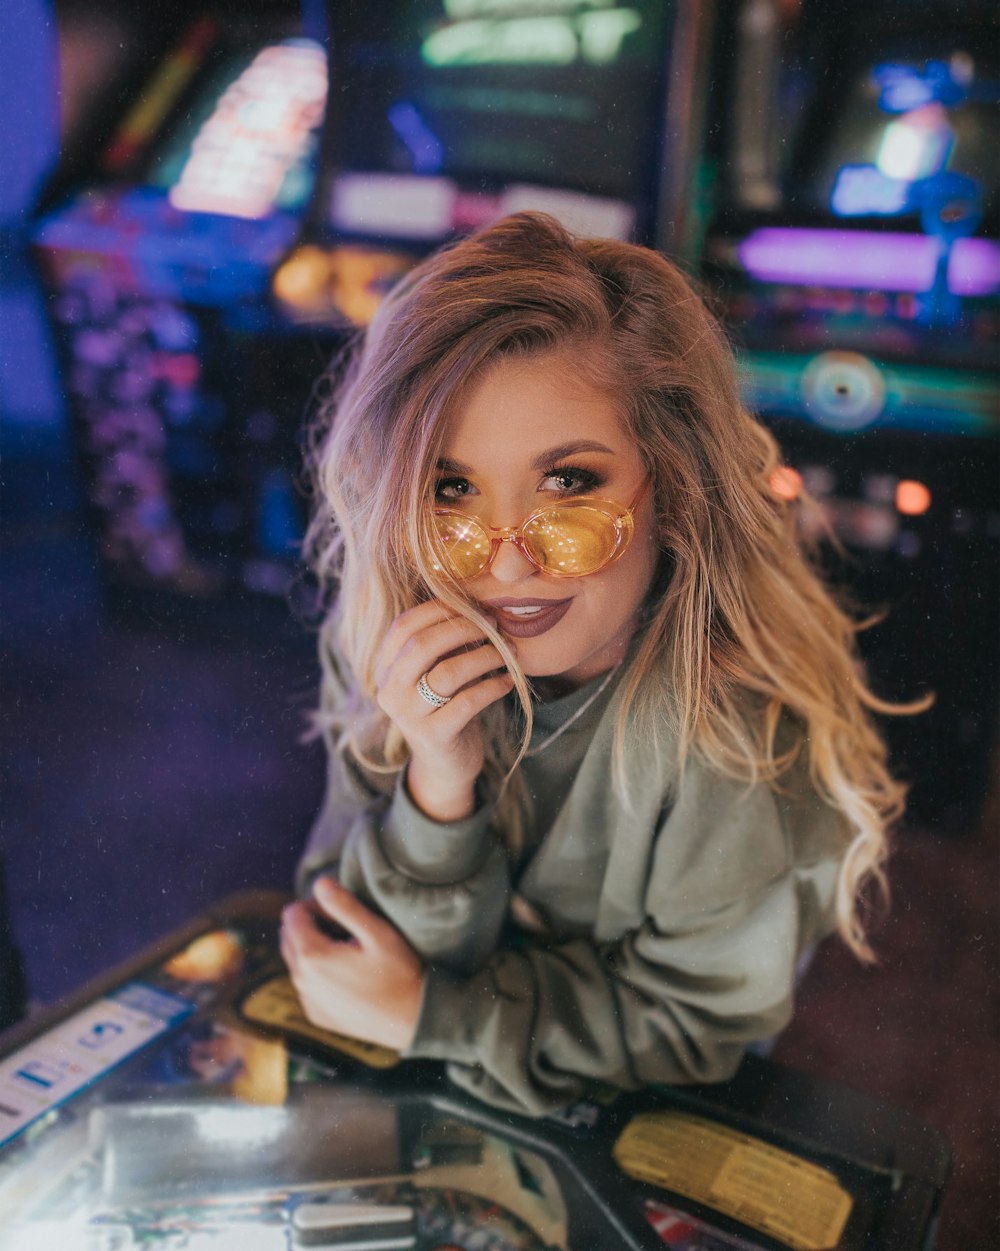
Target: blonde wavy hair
column 739, row 624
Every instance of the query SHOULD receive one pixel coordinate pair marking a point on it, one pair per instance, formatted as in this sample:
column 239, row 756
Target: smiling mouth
column 528, row 618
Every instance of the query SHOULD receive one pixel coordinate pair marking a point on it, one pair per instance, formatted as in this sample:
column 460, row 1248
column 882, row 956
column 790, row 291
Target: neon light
column 916, row 398
column 786, row 483
column 868, row 260
column 160, row 95
column 425, row 147
column 457, row 10
column 514, row 41
column 602, row 34
column 400, row 206
column 901, row 153
column 582, row 213
column 594, row 37
column 916, row 145
column 903, row 87
column 912, row 498
column 863, row 189
column 974, row 267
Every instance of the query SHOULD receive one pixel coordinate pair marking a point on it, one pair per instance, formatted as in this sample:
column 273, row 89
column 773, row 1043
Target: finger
column 299, row 933
column 315, row 1010
column 431, row 646
column 288, row 953
column 453, row 717
column 448, row 676
column 425, row 647
column 347, row 910
column 409, row 623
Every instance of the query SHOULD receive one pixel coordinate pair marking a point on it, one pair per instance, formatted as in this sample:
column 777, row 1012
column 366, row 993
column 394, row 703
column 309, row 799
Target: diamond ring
column 426, row 692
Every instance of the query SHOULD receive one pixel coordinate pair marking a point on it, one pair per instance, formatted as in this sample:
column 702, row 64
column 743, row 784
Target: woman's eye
column 453, row 488
column 571, row 481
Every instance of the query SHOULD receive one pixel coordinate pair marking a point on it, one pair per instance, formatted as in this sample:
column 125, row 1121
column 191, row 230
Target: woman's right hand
column 446, row 744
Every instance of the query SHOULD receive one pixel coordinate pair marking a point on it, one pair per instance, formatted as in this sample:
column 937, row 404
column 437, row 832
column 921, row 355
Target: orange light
column 912, row 498
column 786, row 483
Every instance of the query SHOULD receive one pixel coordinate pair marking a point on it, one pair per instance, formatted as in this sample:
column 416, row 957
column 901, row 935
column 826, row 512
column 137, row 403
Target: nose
column 510, row 564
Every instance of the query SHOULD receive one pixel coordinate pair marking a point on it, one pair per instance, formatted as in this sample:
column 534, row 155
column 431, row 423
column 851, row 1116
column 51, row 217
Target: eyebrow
column 549, row 457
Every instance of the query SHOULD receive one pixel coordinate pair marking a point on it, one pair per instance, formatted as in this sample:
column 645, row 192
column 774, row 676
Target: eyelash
column 587, row 479
column 444, row 484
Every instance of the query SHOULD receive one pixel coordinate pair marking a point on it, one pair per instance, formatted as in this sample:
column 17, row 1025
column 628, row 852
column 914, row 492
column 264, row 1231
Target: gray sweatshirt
column 650, row 942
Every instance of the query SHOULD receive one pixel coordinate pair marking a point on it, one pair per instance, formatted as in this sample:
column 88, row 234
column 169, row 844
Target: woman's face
column 527, row 434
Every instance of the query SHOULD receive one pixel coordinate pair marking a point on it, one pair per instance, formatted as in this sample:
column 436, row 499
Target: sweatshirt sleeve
column 676, row 999
column 445, row 886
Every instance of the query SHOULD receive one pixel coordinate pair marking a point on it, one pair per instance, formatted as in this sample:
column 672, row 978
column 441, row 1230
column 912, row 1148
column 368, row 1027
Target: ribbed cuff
column 435, row 853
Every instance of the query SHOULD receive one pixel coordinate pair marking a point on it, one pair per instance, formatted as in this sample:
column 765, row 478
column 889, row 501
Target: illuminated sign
column 260, row 130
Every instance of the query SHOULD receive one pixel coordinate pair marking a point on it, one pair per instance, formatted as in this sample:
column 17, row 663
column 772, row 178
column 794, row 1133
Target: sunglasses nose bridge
column 509, row 568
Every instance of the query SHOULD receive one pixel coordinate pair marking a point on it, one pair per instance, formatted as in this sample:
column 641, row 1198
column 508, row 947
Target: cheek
column 637, row 569
column 622, row 590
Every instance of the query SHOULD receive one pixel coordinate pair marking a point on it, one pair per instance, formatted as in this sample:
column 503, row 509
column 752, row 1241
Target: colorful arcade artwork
column 186, row 387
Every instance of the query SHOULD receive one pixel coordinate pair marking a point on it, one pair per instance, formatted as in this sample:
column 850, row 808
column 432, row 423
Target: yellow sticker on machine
column 276, row 1004
column 768, row 1189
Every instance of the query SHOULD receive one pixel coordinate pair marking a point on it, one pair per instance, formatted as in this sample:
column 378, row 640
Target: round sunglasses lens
column 463, row 544
column 571, row 541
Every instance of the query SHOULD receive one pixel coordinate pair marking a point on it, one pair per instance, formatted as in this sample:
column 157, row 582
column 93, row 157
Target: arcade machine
column 456, row 112
column 229, row 233
column 855, row 257
column 184, row 1102
column 158, row 251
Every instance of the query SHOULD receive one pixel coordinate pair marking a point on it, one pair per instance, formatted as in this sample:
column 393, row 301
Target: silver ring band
column 431, row 696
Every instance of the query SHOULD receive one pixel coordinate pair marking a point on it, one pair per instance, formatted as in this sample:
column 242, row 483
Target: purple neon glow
column 869, row 260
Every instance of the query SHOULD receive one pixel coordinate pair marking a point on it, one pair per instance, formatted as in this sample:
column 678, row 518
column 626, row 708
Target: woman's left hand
column 367, row 985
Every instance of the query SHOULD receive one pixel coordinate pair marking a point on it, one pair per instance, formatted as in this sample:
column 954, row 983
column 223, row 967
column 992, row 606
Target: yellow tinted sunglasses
column 569, row 539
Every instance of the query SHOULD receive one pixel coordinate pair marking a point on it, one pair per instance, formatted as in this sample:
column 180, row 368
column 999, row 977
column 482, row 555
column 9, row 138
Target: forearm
column 535, row 1027
column 445, row 886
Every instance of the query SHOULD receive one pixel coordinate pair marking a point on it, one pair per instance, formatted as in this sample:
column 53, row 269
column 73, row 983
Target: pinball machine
column 184, row 1101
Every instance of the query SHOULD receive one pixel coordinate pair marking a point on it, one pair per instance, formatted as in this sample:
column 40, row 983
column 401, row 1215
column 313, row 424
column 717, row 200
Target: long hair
column 740, row 628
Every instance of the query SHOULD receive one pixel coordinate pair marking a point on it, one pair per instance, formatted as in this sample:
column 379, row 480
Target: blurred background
column 201, row 200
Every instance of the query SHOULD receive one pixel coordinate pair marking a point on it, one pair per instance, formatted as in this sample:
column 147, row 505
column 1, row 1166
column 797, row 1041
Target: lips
column 527, row 618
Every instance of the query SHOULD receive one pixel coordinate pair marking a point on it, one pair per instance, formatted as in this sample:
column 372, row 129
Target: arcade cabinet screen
column 910, row 148
column 248, row 143
column 228, row 122
column 898, row 154
column 874, row 229
column 555, row 93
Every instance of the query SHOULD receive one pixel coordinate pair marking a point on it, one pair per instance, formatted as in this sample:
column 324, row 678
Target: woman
column 601, row 766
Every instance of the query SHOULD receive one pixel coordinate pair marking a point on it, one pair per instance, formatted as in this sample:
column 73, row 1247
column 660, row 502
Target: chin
column 541, row 661
column 549, row 661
